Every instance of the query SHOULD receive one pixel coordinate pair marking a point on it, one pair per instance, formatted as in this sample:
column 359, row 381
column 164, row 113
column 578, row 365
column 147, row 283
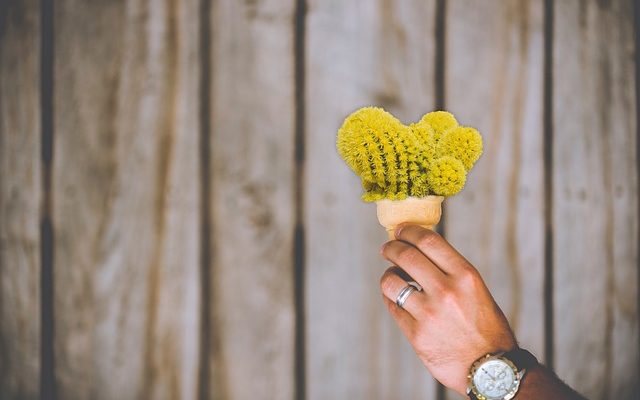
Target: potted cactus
column 408, row 170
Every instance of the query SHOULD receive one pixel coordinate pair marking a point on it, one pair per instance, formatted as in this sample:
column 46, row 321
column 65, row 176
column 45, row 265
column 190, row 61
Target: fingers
column 434, row 246
column 416, row 264
column 404, row 320
column 392, row 284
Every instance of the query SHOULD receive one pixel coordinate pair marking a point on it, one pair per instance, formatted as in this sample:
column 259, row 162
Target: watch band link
column 521, row 358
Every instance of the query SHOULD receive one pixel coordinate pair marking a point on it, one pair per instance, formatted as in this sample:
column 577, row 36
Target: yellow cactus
column 363, row 142
column 446, row 176
column 463, row 143
column 395, row 161
column 427, row 137
column 440, row 121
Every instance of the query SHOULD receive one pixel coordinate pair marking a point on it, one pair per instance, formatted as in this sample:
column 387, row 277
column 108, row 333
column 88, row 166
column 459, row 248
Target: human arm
column 541, row 383
column 454, row 320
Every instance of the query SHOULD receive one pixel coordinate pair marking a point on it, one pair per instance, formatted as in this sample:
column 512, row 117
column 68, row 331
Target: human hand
column 454, row 320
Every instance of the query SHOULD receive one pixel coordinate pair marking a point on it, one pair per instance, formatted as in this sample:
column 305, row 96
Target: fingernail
column 399, row 229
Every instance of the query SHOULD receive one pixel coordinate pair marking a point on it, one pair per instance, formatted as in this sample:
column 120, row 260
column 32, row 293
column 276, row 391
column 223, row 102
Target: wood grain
column 20, row 197
column 494, row 82
column 358, row 53
column 252, row 200
column 595, row 198
column 125, row 199
column 127, row 192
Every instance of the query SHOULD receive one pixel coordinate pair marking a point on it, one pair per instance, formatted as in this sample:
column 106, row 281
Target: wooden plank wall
column 125, row 199
column 497, row 222
column 20, row 199
column 252, row 200
column 359, row 53
column 595, row 198
column 209, row 243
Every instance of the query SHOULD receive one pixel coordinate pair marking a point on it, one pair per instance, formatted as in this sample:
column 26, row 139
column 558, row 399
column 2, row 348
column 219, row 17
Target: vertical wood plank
column 595, row 195
column 252, row 200
column 358, row 53
column 494, row 81
column 125, row 199
column 20, row 197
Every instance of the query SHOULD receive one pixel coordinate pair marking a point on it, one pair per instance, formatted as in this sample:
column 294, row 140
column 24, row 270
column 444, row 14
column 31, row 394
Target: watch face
column 495, row 379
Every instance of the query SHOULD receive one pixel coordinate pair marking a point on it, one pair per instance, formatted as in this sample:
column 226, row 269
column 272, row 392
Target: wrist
column 474, row 353
column 499, row 375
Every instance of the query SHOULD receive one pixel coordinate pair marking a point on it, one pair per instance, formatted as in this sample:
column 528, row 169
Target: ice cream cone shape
column 423, row 211
column 408, row 170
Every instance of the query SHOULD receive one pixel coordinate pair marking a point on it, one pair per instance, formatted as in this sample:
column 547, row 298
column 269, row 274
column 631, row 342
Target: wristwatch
column 498, row 376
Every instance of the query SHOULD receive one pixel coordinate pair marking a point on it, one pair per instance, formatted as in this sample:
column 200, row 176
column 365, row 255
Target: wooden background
column 175, row 222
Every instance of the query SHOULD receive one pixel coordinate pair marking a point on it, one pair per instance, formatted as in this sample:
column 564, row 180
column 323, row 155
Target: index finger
column 434, row 246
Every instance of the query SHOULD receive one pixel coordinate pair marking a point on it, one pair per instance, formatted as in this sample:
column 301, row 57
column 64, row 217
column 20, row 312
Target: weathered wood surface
column 358, row 53
column 494, row 81
column 127, row 190
column 497, row 221
column 125, row 199
column 595, row 198
column 252, row 200
column 20, row 196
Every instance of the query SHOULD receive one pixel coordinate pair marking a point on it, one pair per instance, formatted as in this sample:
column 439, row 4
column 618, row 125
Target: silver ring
column 405, row 293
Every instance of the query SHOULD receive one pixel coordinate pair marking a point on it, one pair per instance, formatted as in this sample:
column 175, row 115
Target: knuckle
column 470, row 278
column 429, row 238
column 436, row 286
column 386, row 281
column 448, row 297
column 447, row 293
column 407, row 254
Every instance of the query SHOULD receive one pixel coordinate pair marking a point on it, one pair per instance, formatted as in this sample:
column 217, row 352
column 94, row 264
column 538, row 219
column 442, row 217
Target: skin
column 454, row 320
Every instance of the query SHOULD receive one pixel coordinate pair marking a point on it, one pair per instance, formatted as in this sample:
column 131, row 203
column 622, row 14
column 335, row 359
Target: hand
column 454, row 320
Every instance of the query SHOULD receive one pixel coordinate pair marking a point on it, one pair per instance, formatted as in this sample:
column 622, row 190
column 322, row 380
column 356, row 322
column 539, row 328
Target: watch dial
column 494, row 379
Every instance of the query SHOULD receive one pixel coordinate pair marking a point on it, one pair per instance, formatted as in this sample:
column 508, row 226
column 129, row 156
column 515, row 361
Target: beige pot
column 423, row 211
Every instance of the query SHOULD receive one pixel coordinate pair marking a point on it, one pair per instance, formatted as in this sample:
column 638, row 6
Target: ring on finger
column 405, row 293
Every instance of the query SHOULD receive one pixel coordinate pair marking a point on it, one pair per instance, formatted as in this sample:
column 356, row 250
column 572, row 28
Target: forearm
column 541, row 383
